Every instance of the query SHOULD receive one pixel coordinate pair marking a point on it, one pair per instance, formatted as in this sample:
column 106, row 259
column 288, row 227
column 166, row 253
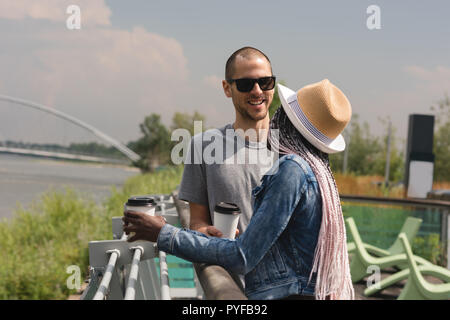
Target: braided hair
column 331, row 256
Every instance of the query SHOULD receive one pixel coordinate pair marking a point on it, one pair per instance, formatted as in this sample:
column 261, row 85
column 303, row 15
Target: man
column 249, row 82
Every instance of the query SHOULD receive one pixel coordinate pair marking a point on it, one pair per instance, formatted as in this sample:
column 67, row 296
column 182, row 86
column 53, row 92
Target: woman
column 295, row 244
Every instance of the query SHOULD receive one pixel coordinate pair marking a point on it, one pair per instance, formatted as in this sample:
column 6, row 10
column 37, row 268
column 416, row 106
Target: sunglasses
column 247, row 84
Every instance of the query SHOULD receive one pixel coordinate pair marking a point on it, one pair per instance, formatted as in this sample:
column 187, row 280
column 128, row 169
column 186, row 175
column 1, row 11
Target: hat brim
column 287, row 95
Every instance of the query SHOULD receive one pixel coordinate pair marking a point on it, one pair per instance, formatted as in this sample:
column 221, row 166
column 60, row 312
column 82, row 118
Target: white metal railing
column 127, row 270
column 130, row 293
column 164, row 271
column 104, row 285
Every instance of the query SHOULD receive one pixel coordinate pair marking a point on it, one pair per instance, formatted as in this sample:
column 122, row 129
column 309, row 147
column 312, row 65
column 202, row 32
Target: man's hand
column 200, row 220
column 210, row 231
column 213, row 231
column 144, row 226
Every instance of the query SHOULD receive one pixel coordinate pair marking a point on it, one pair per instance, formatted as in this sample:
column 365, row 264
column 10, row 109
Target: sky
column 133, row 58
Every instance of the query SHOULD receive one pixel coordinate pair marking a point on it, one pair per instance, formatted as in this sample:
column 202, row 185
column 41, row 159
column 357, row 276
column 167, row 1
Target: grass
column 365, row 185
column 39, row 243
column 350, row 184
column 438, row 185
column 150, row 183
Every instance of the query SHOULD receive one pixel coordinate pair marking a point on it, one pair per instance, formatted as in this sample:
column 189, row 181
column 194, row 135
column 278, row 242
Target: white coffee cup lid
column 227, row 208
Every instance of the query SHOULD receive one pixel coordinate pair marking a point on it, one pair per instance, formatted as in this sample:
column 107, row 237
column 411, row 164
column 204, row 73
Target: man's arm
column 200, row 220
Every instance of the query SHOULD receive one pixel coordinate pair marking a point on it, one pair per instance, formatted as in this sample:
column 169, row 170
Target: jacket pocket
column 278, row 260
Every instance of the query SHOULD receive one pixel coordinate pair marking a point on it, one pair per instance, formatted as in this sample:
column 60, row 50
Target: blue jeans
column 276, row 251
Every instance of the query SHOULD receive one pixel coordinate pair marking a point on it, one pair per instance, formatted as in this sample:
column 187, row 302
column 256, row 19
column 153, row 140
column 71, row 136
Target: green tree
column 94, row 148
column 364, row 149
column 441, row 143
column 397, row 161
column 186, row 121
column 154, row 146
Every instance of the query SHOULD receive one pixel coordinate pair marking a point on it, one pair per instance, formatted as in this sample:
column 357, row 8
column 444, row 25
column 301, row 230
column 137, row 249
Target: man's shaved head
column 245, row 52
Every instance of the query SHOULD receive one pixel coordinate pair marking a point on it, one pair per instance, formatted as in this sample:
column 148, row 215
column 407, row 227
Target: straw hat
column 320, row 112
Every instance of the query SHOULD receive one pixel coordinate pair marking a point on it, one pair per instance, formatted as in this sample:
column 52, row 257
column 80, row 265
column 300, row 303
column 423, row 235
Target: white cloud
column 93, row 12
column 109, row 78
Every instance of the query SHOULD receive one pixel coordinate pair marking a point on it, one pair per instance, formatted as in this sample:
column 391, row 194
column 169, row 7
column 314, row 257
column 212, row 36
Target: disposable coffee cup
column 226, row 218
column 143, row 204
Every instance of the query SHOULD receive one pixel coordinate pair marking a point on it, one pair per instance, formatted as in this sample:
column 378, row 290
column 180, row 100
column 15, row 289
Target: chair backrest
column 414, row 269
column 357, row 238
column 410, row 229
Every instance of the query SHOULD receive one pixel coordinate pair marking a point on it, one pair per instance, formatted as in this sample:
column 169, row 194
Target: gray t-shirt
column 223, row 166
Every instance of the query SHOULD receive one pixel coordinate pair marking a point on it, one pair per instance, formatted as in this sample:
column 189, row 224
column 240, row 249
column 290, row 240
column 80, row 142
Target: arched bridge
column 109, row 140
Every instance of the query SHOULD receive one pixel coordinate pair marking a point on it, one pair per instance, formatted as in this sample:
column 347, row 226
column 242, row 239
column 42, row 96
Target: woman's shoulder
column 291, row 162
column 295, row 162
column 292, row 159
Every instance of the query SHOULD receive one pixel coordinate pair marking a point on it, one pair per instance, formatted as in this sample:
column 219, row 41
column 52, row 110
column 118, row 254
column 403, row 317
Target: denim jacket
column 276, row 251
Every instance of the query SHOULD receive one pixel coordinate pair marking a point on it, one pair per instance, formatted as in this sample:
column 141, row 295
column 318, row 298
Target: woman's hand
column 144, row 226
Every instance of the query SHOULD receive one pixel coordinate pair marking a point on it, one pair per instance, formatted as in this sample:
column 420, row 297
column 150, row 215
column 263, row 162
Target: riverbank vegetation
column 40, row 242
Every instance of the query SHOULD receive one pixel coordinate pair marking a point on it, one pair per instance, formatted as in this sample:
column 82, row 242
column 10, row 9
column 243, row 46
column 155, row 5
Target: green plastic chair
column 410, row 228
column 361, row 259
column 417, row 288
column 433, row 270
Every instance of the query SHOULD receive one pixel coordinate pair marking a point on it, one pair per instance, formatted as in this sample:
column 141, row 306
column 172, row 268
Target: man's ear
column 226, row 88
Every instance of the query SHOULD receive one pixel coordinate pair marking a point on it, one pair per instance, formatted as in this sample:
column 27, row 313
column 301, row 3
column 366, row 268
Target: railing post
column 104, row 284
column 89, row 293
column 148, row 281
column 446, row 213
column 130, row 292
column 164, row 276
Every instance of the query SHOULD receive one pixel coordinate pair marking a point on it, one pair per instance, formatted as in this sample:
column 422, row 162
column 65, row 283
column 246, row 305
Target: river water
column 23, row 179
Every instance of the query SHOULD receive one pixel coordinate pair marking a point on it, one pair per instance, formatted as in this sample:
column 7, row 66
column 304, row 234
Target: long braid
column 330, row 257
